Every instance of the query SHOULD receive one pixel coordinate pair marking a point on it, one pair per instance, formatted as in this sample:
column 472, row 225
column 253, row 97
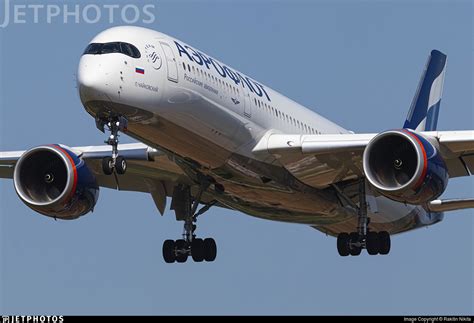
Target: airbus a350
column 210, row 136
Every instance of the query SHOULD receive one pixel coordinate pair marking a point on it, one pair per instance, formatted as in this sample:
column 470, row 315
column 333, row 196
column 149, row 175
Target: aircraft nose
column 91, row 80
column 86, row 77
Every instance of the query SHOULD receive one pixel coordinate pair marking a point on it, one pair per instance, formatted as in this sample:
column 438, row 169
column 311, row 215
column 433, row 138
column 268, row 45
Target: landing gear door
column 170, row 62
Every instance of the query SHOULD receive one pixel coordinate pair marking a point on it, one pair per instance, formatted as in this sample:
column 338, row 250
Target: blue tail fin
column 424, row 110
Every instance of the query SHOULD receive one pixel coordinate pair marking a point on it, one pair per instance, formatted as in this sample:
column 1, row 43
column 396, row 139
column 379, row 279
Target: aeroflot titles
column 224, row 71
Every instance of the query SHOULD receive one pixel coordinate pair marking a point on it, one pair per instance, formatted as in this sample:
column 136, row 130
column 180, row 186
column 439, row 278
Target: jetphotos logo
column 19, row 12
column 32, row 319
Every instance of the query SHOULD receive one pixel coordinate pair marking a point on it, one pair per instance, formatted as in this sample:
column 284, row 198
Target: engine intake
column 405, row 166
column 55, row 182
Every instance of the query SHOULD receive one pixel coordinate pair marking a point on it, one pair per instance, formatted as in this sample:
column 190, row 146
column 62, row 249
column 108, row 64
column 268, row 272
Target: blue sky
column 355, row 62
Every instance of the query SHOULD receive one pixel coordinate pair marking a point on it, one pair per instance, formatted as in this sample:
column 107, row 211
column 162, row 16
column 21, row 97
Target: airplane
column 211, row 136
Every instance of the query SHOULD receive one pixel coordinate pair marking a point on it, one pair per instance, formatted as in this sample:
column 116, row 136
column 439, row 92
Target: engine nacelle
column 53, row 181
column 404, row 166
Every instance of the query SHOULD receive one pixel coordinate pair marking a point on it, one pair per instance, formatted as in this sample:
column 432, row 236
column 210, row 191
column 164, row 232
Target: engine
column 55, row 182
column 405, row 166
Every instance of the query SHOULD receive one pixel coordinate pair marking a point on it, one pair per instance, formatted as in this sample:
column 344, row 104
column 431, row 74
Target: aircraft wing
column 322, row 160
column 148, row 170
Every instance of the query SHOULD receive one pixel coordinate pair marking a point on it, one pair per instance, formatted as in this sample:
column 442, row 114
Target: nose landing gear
column 115, row 162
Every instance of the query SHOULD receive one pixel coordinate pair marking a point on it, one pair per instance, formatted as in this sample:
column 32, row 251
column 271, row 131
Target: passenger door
column 171, row 64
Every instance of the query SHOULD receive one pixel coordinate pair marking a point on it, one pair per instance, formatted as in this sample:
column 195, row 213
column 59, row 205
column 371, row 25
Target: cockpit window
column 113, row 47
column 126, row 49
column 109, row 48
column 135, row 51
column 93, row 49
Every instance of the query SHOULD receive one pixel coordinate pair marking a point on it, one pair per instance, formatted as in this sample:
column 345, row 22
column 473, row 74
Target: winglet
column 424, row 111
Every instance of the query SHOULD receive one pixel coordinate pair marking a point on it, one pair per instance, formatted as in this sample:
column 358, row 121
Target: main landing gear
column 115, row 162
column 352, row 243
column 185, row 206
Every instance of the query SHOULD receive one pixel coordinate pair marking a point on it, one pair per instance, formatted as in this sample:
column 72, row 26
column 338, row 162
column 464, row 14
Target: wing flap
column 457, row 167
column 468, row 161
column 455, row 141
column 457, row 148
column 317, row 160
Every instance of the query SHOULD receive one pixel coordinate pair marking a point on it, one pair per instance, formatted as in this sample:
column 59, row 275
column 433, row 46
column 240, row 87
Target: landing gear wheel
column 120, row 165
column 169, row 255
column 343, row 244
column 384, row 241
column 355, row 251
column 181, row 251
column 210, row 249
column 107, row 165
column 372, row 243
column 186, row 207
column 197, row 250
column 353, row 239
column 363, row 238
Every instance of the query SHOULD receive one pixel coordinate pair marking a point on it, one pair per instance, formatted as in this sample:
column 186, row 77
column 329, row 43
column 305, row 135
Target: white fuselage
column 204, row 112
